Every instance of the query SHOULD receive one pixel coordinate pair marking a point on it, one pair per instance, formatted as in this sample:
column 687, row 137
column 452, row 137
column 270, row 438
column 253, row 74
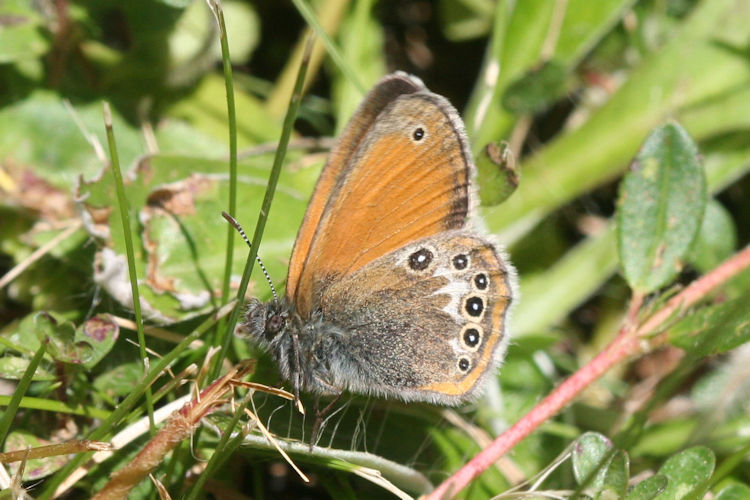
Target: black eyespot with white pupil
column 474, row 306
column 471, row 337
column 420, row 260
column 464, row 364
column 418, row 134
column 481, row 281
column 460, row 261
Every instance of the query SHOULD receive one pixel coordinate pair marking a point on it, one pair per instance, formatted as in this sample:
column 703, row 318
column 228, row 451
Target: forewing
column 408, row 179
column 340, row 160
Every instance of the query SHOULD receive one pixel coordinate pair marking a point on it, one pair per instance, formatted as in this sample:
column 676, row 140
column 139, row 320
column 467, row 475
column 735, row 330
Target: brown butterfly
column 392, row 290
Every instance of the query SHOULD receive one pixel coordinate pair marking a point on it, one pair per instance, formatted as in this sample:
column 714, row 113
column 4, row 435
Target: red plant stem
column 625, row 344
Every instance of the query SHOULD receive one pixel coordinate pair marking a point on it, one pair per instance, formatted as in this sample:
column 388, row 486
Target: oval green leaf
column 660, row 208
column 735, row 491
column 497, row 173
column 100, row 334
column 63, row 345
column 590, row 453
column 717, row 238
column 714, row 329
column 616, row 477
column 13, row 368
column 688, row 473
column 648, row 488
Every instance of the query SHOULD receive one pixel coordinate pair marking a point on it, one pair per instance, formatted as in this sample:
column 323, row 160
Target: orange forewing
column 339, row 160
column 393, row 191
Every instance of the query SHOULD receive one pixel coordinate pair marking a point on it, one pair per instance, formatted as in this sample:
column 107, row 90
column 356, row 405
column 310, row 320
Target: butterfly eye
column 418, row 134
column 420, row 260
column 464, row 364
column 474, row 306
column 460, row 262
column 480, row 281
column 274, row 324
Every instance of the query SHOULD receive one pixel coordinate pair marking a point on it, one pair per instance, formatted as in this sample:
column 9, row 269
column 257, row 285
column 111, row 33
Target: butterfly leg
column 297, row 373
column 320, row 416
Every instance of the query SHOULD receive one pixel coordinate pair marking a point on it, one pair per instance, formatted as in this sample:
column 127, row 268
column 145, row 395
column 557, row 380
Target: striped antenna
column 239, row 229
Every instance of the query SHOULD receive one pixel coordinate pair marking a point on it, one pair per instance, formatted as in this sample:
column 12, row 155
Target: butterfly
column 393, row 290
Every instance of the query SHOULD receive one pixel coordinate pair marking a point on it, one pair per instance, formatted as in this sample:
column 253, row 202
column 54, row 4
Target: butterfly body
column 392, row 290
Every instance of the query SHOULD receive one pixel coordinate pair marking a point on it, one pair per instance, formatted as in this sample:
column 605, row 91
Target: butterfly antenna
column 239, row 229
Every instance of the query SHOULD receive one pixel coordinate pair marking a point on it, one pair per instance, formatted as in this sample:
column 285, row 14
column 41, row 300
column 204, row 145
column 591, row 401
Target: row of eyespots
column 473, row 305
column 473, row 308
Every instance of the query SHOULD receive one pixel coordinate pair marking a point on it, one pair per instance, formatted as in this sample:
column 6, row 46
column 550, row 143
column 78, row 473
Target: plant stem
column 232, row 119
column 122, row 204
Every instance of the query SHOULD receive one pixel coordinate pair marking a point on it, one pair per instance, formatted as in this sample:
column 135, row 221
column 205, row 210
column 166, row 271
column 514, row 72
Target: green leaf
column 497, row 173
column 179, row 256
column 86, row 344
column 206, row 110
column 13, row 368
column 24, row 334
column 717, row 238
column 590, row 453
column 537, row 89
column 42, row 133
column 21, row 36
column 714, row 329
column 617, row 475
column 664, row 438
column 521, row 32
column 119, row 380
column 661, row 205
column 648, row 488
column 465, row 20
column 100, row 334
column 735, row 491
column 688, row 473
column 667, row 82
column 194, row 41
column 63, row 344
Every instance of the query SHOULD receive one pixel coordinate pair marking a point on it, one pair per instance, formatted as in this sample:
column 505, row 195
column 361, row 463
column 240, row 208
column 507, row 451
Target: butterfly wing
column 340, row 159
column 430, row 325
column 408, row 177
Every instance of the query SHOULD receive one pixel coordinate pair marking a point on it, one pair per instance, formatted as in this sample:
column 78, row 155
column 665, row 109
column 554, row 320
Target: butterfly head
column 266, row 322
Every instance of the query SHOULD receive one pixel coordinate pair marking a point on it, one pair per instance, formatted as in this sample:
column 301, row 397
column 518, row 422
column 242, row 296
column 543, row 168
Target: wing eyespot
column 464, row 364
column 480, row 281
column 418, row 134
column 460, row 261
column 420, row 259
column 471, row 336
column 473, row 307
